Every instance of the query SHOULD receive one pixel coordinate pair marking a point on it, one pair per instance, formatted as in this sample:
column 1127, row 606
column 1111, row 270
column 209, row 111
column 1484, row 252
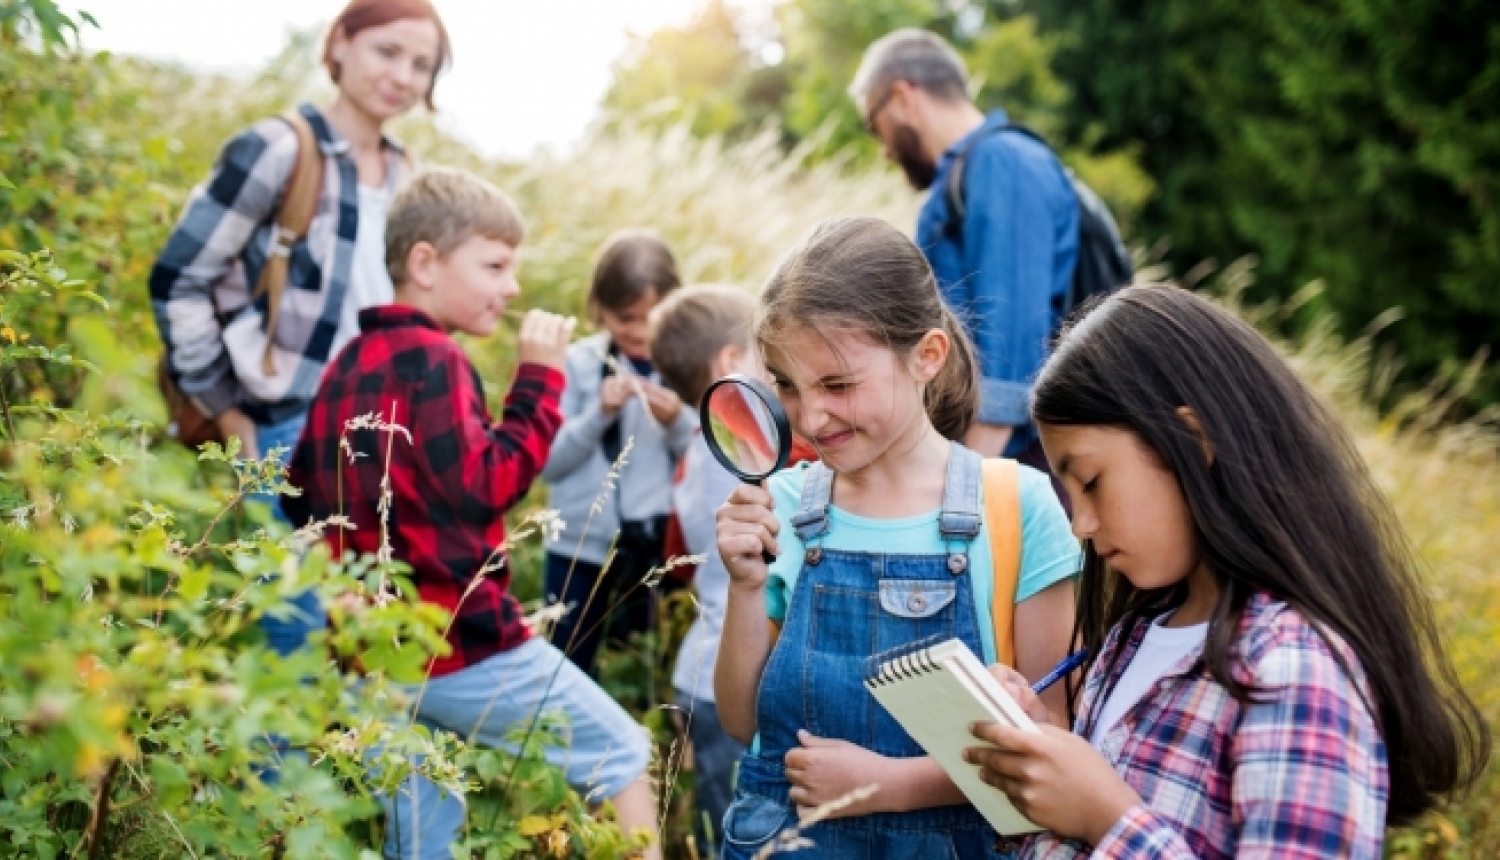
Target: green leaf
column 194, row 583
column 489, row 765
column 171, row 783
column 5, row 183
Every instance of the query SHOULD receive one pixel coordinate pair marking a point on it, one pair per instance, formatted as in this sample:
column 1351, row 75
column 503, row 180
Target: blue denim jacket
column 1006, row 273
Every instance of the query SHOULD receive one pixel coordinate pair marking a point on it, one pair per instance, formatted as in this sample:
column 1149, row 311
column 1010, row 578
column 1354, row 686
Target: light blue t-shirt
column 1049, row 552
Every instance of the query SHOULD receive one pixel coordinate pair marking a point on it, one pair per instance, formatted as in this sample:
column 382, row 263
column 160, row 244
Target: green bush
column 1349, row 141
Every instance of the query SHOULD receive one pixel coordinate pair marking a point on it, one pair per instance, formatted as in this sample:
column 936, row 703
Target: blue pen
column 1069, row 663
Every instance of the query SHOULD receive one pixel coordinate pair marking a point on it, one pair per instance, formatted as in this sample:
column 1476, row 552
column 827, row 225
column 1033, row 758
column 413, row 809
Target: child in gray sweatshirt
column 614, row 411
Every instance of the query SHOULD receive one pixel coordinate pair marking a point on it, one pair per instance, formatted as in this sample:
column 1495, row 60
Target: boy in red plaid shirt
column 451, row 245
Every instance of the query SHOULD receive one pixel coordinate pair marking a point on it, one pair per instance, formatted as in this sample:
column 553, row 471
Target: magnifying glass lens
column 746, row 428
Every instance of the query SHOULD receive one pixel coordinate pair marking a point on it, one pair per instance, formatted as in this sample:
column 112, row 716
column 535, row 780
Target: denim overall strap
column 811, row 519
column 960, row 519
column 847, row 606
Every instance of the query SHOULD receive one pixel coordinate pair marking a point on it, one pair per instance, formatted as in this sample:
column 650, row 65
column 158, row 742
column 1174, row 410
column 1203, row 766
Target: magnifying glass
column 746, row 429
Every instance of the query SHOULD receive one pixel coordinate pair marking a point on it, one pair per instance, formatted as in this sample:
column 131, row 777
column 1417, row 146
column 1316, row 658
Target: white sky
column 525, row 73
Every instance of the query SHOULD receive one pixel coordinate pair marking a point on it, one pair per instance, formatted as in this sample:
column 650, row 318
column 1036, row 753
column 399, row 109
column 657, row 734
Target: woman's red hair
column 363, row 14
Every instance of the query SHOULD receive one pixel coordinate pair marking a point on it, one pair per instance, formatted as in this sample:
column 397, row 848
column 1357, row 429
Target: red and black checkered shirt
column 451, row 484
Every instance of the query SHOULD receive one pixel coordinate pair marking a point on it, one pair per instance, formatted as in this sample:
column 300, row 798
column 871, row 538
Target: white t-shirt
column 369, row 282
column 1161, row 649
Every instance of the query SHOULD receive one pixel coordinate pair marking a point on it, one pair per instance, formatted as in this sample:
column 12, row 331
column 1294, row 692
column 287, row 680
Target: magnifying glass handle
column 765, row 555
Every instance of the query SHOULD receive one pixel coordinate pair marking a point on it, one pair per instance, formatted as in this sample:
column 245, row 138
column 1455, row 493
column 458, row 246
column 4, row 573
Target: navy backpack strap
column 953, row 189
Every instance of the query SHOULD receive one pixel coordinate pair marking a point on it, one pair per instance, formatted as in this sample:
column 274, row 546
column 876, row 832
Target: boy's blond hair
column 444, row 207
column 691, row 327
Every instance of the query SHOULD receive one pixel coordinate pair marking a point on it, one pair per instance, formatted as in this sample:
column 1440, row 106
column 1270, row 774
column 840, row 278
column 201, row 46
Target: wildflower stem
column 536, row 716
column 609, row 484
column 101, row 811
column 10, row 425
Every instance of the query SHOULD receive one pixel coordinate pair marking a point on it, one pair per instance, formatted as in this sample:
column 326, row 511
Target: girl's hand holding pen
column 1052, row 776
column 1015, row 684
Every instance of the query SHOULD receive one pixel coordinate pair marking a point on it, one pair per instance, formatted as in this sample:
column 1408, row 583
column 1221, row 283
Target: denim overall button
column 958, row 563
column 916, row 602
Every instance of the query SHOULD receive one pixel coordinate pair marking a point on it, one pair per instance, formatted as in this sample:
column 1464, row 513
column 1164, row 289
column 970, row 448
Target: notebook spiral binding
column 899, row 663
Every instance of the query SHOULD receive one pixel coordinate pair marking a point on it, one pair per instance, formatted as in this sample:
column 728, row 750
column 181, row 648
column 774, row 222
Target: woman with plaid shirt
column 1266, row 680
column 384, row 55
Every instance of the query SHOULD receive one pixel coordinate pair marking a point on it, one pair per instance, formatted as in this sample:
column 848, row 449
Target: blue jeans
column 287, row 635
column 605, row 752
column 845, row 608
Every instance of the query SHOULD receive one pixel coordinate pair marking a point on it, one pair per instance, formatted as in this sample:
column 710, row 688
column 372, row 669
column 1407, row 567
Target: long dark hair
column 1285, row 506
column 865, row 275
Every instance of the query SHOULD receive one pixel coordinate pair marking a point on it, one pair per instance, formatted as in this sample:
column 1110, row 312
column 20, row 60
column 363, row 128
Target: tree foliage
column 714, row 72
column 1352, row 142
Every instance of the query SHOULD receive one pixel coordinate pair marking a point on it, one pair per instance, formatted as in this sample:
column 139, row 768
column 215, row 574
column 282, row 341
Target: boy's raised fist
column 544, row 338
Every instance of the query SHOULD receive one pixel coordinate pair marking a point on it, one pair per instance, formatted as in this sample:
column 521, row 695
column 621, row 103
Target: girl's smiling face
column 854, row 399
column 1126, row 502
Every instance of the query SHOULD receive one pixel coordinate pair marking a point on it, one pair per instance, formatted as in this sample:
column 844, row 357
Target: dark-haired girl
column 1266, row 679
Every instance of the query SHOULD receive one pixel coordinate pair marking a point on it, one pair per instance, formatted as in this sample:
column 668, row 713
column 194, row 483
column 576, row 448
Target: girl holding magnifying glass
column 878, row 545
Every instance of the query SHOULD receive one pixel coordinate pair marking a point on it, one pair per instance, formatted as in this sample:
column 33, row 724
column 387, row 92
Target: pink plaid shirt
column 1298, row 774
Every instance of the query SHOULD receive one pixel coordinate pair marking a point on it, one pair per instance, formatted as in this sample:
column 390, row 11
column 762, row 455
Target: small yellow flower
column 557, row 844
column 90, row 761
column 8, row 333
column 532, row 826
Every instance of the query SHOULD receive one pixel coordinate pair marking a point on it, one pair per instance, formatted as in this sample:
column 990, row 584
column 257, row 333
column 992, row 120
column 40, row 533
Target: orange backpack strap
column 298, row 204
column 1002, row 516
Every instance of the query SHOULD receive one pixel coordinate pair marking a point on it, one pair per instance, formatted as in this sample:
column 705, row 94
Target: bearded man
column 1001, row 233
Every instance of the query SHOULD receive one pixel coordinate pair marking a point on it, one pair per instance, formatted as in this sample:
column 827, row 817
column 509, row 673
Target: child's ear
column 421, row 265
column 727, row 361
column 1195, row 427
column 930, row 354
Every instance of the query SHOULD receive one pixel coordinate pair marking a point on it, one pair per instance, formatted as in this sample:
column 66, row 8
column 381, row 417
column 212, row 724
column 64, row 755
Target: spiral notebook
column 936, row 692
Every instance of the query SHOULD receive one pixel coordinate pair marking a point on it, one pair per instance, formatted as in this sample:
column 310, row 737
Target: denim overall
column 846, row 607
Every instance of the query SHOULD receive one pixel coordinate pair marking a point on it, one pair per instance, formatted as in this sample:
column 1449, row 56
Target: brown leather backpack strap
column 298, row 204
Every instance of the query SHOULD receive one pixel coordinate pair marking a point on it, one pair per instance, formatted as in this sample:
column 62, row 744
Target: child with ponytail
column 885, row 541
